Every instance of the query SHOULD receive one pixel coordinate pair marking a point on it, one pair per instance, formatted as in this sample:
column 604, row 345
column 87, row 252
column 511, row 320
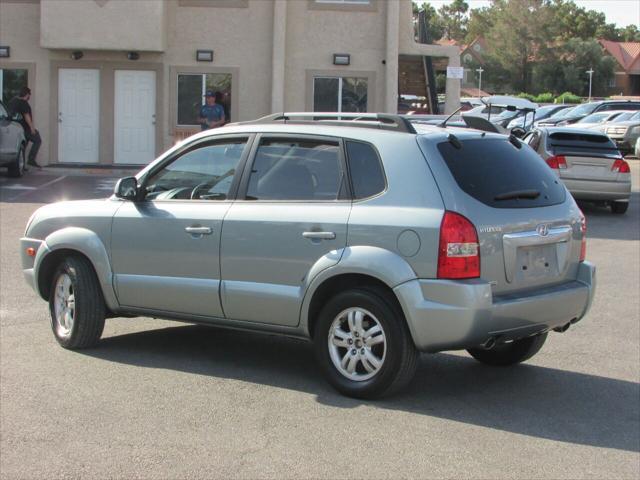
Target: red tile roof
column 627, row 54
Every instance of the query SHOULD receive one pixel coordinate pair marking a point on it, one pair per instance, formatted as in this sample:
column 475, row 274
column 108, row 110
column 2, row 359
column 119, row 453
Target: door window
column 11, row 81
column 286, row 169
column 204, row 173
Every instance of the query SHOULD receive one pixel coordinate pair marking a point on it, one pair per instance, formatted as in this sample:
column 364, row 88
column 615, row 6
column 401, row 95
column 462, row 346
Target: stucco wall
column 103, row 25
column 314, row 35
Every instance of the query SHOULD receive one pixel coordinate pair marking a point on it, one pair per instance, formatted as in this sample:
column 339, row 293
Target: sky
column 620, row 12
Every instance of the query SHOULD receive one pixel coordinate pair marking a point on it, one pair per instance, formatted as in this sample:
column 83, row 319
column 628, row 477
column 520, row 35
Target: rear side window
column 498, row 174
column 367, row 177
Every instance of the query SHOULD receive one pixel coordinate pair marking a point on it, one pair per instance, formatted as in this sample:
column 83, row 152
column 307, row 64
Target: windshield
column 595, row 118
column 563, row 113
column 624, row 116
column 584, row 109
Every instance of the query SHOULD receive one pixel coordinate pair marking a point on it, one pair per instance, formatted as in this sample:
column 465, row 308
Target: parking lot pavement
column 166, row 400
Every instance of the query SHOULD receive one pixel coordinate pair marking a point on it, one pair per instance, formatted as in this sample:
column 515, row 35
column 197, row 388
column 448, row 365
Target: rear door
column 527, row 223
column 292, row 210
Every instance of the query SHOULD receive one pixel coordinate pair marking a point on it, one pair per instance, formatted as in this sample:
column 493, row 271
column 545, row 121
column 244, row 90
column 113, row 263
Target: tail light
column 620, row 166
column 459, row 251
column 557, row 162
column 583, row 231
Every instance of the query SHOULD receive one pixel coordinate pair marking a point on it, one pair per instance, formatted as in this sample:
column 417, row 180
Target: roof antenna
column 444, row 123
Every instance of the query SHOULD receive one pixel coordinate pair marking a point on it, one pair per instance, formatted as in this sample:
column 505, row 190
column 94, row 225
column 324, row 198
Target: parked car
column 623, row 117
column 637, row 151
column 596, row 120
column 588, row 163
column 585, row 109
column 12, row 144
column 556, row 117
column 371, row 237
column 625, row 133
column 541, row 113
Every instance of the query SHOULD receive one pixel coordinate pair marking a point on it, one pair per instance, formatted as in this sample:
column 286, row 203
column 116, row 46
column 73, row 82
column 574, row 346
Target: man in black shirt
column 20, row 104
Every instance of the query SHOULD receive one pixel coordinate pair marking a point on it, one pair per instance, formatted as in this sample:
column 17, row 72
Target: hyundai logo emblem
column 543, row 229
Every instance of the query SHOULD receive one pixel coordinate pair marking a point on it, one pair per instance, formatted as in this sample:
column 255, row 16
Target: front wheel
column 76, row 304
column 363, row 345
column 511, row 353
column 16, row 169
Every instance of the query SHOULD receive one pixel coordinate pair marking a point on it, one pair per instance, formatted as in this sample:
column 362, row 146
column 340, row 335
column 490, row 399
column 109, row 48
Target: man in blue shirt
column 211, row 114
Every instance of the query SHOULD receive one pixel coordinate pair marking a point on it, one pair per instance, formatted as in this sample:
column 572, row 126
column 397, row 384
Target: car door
column 292, row 211
column 10, row 136
column 165, row 248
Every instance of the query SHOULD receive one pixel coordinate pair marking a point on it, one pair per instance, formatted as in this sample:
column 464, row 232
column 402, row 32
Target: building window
column 612, row 82
column 468, row 58
column 339, row 94
column 191, row 91
column 11, row 81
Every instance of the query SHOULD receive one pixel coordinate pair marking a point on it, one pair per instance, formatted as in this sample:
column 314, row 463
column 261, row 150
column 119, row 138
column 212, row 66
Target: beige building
column 119, row 81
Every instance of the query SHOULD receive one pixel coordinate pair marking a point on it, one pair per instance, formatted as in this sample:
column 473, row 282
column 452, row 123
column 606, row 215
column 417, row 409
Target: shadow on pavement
column 601, row 223
column 528, row 400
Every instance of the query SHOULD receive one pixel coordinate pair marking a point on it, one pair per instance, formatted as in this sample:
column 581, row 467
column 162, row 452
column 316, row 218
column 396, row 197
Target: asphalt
column 159, row 399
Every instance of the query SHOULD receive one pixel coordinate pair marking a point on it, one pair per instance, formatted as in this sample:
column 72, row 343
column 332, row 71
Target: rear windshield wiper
column 528, row 194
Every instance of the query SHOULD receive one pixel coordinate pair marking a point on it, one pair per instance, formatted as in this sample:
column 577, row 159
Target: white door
column 135, row 116
column 78, row 115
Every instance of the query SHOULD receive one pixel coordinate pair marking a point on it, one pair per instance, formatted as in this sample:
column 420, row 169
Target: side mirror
column 126, row 188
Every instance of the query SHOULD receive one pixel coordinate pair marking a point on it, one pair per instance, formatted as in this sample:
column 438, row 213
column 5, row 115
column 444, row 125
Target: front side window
column 204, row 173
column 339, row 94
column 192, row 88
column 11, row 81
column 291, row 170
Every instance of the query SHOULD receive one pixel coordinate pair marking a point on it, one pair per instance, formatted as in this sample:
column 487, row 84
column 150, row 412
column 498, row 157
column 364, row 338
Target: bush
column 528, row 96
column 568, row 97
column 544, row 98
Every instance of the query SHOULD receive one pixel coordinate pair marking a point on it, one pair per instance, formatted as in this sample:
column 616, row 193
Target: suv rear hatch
column 584, row 156
column 528, row 226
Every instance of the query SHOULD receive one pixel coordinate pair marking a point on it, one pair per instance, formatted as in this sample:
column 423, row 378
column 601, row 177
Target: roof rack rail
column 383, row 121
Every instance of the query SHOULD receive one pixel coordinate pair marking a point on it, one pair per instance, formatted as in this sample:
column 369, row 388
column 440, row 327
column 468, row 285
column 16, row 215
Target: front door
column 293, row 215
column 135, row 116
column 78, row 113
column 165, row 249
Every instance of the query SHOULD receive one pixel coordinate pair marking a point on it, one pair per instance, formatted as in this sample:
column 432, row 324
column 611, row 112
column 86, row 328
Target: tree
column 435, row 26
column 454, row 18
column 519, row 38
column 578, row 56
column 630, row 33
column 480, row 22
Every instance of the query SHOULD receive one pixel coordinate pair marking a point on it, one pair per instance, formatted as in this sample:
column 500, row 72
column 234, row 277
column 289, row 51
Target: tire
column 619, row 207
column 396, row 355
column 16, row 169
column 510, row 353
column 76, row 304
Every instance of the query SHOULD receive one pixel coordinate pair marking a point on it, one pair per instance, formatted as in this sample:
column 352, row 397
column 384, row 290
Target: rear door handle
column 319, row 235
column 198, row 230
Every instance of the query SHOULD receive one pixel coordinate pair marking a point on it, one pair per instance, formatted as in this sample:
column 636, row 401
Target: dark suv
column 585, row 109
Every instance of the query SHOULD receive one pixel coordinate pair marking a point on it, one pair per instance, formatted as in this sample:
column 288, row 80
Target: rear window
column 568, row 142
column 498, row 174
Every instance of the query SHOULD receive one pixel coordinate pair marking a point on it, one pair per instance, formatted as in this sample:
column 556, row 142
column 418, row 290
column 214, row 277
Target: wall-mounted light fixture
column 77, row 55
column 341, row 59
column 133, row 55
column 5, row 51
column 204, row 55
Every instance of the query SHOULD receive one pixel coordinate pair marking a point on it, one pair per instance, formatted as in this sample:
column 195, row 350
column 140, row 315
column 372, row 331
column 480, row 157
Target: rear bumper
column 453, row 315
column 598, row 190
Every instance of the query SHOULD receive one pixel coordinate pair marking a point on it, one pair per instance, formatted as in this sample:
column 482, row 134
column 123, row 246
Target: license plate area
column 536, row 263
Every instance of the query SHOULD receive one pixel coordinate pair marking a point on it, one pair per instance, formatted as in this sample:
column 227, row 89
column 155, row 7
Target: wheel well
column 340, row 283
column 49, row 265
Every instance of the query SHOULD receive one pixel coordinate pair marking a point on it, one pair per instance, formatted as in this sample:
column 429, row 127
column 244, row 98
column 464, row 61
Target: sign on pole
column 455, row 72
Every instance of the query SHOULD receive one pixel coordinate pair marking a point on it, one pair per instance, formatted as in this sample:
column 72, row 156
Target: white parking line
column 31, row 189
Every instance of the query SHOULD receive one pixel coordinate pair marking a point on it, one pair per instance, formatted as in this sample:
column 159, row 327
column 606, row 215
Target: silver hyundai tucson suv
column 371, row 237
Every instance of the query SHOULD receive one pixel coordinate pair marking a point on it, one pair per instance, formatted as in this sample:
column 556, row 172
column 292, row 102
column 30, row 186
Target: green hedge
column 568, row 97
column 546, row 97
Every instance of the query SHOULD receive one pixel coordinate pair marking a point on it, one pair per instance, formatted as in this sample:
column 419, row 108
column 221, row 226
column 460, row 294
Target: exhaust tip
column 563, row 328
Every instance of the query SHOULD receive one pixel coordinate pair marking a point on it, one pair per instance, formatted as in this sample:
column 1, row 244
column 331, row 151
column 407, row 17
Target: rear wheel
column 511, row 353
column 363, row 344
column 76, row 304
column 16, row 169
column 619, row 207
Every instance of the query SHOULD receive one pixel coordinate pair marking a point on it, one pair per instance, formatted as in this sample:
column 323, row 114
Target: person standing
column 20, row 104
column 211, row 114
